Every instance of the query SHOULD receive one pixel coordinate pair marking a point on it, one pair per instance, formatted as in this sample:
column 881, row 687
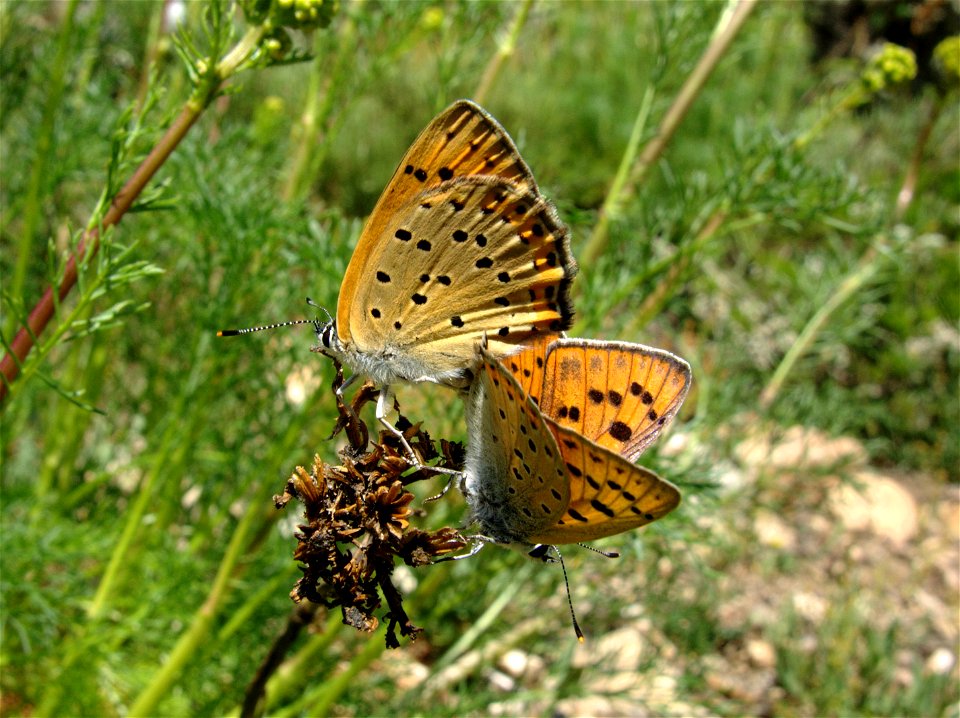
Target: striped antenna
column 606, row 554
column 315, row 322
column 248, row 330
column 542, row 552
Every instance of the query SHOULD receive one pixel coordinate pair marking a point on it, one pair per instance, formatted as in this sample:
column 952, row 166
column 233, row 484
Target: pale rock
column 762, row 653
column 903, row 677
column 799, row 447
column 619, row 650
column 949, row 516
column 403, row 671
column 301, row 383
column 737, row 682
column 676, row 444
column 810, row 606
column 600, row 707
column 614, row 682
column 732, row 479
column 501, row 682
column 509, row 709
column 191, row 496
column 941, row 662
column 405, row 579
column 877, row 503
column 820, row 524
column 514, row 663
column 773, row 531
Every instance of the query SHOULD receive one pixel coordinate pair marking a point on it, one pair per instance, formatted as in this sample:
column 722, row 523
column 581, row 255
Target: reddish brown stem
column 43, row 312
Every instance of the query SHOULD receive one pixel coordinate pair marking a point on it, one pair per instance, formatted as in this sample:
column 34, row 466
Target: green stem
column 135, row 514
column 482, row 625
column 505, row 49
column 292, row 676
column 865, row 269
column 730, row 24
column 615, row 196
column 321, row 699
column 909, row 186
column 203, row 626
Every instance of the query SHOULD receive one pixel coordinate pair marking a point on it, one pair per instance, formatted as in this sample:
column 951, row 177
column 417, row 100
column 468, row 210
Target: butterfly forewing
column 476, row 256
column 608, row 494
column 617, row 394
column 462, row 141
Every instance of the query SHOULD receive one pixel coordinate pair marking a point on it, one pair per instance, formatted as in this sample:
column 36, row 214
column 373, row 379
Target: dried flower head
column 357, row 519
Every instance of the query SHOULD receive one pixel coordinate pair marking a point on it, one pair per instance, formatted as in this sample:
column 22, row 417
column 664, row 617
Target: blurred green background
column 778, row 243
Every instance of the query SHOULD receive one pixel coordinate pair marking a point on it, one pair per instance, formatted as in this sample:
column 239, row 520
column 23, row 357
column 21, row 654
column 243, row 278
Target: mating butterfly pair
column 462, row 276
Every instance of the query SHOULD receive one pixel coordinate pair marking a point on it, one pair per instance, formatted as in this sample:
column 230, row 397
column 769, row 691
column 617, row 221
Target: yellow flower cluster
column 304, row 14
column 892, row 65
column 947, row 56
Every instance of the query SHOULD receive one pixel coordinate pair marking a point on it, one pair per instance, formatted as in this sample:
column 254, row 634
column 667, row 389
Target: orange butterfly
column 531, row 480
column 461, row 245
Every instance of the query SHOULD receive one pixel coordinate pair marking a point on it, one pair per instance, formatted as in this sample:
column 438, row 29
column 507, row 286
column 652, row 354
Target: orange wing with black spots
column 529, row 480
column 461, row 244
column 618, row 394
column 608, row 494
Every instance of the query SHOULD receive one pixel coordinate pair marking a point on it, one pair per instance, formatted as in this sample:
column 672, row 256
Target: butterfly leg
column 456, row 475
column 382, row 402
column 343, row 387
column 479, row 543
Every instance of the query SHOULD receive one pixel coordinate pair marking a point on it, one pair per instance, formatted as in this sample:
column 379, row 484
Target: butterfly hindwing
column 608, row 494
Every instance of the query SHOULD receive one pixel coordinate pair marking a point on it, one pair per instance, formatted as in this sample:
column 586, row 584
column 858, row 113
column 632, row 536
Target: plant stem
column 320, row 700
column 615, row 196
column 505, row 50
column 43, row 312
column 865, row 269
column 909, row 186
column 655, row 300
column 292, row 675
column 301, row 616
column 203, row 620
column 728, row 27
column 54, row 84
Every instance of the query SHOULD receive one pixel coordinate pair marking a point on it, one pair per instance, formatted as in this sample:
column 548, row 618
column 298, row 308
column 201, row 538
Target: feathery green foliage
column 144, row 567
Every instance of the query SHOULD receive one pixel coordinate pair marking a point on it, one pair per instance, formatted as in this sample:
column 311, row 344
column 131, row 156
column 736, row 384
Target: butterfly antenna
column 605, row 554
column 573, row 616
column 292, row 322
column 322, row 309
column 248, row 330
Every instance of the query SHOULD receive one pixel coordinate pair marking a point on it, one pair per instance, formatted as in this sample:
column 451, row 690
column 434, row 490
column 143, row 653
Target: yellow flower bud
column 947, row 57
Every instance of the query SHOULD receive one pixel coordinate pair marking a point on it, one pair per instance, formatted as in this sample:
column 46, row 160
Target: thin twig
column 728, row 28
column 25, row 339
column 504, row 50
column 862, row 273
column 43, row 312
column 909, row 186
column 301, row 616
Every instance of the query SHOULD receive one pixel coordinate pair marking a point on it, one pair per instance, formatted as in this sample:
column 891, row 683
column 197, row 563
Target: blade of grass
column 730, row 24
column 505, row 48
